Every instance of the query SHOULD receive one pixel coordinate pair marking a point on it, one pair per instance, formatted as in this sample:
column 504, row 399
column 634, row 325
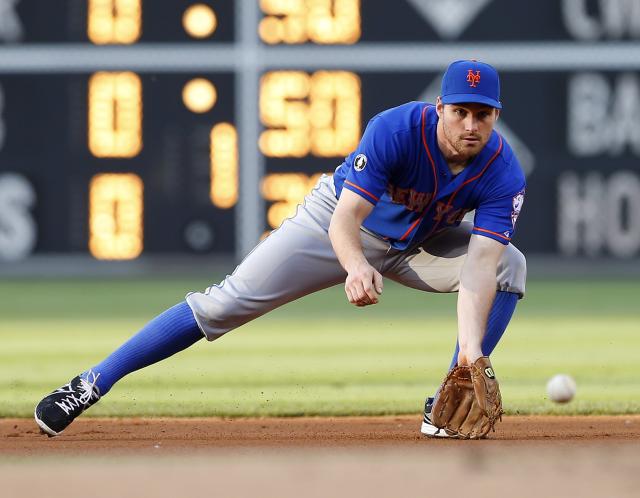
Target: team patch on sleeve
column 517, row 202
column 360, row 162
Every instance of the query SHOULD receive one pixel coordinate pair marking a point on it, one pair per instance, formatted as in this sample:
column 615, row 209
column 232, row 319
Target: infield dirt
column 343, row 456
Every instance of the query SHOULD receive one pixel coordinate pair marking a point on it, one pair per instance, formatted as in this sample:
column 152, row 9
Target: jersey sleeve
column 497, row 214
column 373, row 161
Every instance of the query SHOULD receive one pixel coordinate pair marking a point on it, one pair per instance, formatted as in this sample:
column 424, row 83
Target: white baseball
column 561, row 388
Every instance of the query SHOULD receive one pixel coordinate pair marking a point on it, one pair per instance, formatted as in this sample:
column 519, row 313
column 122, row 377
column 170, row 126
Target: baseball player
column 394, row 208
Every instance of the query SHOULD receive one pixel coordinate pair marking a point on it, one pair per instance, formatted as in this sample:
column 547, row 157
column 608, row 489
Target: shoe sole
column 430, row 430
column 44, row 427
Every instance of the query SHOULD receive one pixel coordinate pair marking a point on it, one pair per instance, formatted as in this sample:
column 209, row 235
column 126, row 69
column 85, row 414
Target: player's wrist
column 355, row 265
column 469, row 355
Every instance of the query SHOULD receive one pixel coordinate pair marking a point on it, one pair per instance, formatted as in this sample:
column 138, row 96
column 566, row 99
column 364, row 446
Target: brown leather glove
column 469, row 402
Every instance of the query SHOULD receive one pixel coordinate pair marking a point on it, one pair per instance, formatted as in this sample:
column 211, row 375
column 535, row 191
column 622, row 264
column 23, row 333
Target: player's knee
column 512, row 271
column 215, row 315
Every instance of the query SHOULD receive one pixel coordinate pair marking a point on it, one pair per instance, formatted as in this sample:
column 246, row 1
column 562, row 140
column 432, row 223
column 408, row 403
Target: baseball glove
column 468, row 404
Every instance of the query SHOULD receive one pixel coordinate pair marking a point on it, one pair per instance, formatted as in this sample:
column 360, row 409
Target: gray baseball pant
column 298, row 259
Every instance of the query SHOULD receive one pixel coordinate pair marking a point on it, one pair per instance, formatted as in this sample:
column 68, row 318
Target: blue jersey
column 399, row 168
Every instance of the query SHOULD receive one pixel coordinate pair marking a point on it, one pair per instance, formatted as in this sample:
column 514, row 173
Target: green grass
column 318, row 356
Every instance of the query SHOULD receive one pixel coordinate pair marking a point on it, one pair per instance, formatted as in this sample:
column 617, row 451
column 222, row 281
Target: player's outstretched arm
column 363, row 283
column 469, row 403
column 476, row 295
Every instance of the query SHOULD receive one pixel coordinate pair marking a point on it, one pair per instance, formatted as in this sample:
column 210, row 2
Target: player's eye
column 460, row 112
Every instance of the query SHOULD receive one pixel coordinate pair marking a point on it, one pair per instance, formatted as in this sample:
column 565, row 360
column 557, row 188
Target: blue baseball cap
column 471, row 81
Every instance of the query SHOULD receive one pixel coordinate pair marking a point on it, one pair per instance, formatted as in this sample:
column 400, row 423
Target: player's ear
column 439, row 107
column 497, row 114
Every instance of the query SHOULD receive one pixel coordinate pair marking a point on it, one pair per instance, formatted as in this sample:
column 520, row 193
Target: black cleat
column 58, row 409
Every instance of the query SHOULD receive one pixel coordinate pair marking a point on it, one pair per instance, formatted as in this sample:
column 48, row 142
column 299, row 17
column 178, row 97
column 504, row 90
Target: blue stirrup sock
column 168, row 333
column 500, row 314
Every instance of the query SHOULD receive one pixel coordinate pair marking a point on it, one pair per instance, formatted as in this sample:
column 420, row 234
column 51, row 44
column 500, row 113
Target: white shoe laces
column 88, row 391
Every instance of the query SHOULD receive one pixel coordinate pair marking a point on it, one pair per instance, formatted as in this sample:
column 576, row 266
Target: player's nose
column 471, row 123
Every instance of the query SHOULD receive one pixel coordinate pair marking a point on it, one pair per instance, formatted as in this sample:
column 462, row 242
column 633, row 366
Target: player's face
column 467, row 127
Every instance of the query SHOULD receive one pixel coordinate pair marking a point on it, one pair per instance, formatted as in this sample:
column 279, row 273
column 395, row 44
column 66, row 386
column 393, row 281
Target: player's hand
column 363, row 285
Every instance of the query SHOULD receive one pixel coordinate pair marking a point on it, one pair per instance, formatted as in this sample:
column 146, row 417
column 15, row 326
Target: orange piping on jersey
column 492, row 233
column 413, row 225
column 435, row 178
column 362, row 190
column 493, row 158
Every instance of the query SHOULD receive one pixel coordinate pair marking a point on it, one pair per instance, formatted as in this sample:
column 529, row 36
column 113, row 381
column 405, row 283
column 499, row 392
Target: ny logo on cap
column 473, row 79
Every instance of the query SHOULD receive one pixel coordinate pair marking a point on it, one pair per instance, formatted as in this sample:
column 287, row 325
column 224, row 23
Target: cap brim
column 463, row 98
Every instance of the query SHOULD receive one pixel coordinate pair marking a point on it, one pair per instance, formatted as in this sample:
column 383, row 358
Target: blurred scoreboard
column 119, row 161
column 148, row 159
column 116, row 163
